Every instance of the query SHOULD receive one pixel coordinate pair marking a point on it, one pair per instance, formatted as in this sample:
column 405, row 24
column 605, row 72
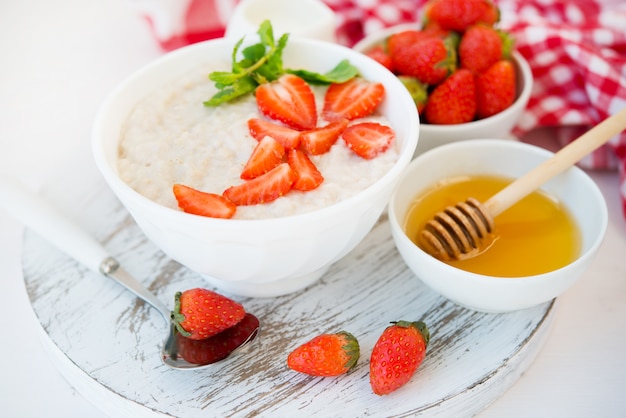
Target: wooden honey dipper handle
column 559, row 162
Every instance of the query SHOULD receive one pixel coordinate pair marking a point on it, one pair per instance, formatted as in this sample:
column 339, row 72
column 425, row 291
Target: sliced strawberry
column 319, row 140
column 289, row 100
column 201, row 203
column 353, row 99
column 368, row 139
column 308, row 177
column 267, row 154
column 288, row 138
column 266, row 188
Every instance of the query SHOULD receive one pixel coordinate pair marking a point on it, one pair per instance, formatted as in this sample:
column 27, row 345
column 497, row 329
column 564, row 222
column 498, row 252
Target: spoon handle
column 40, row 216
column 559, row 162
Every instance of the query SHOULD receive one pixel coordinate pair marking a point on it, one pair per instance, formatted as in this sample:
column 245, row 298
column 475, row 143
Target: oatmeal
column 171, row 137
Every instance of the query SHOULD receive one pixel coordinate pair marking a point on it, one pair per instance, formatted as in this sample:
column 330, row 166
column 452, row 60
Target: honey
column 536, row 235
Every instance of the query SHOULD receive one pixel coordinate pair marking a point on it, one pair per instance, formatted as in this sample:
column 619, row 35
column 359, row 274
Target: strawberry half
column 368, row 139
column 353, row 99
column 308, row 177
column 289, row 100
column 265, row 188
column 201, row 203
column 267, row 154
column 319, row 140
column 288, row 138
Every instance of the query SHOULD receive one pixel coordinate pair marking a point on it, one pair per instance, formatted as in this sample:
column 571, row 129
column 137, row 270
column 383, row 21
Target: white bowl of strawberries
column 463, row 72
column 286, row 155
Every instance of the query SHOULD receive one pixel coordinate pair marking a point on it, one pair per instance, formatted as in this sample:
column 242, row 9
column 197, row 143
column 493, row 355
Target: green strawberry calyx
column 418, row 325
column 177, row 316
column 450, row 63
column 508, row 43
column 351, row 348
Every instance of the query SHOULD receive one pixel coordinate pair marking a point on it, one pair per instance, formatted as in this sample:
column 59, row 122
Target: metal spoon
column 43, row 218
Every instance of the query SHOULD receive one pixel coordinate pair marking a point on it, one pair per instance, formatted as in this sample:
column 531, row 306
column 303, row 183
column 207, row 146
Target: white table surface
column 60, row 59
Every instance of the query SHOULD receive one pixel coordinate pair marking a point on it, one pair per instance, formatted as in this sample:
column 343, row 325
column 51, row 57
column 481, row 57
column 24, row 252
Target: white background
column 60, row 58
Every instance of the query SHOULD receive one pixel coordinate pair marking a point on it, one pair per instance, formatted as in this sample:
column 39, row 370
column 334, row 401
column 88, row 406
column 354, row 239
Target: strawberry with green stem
column 201, row 313
column 326, row 355
column 454, row 100
column 430, row 58
column 458, row 15
column 495, row 89
column 397, row 354
column 481, row 46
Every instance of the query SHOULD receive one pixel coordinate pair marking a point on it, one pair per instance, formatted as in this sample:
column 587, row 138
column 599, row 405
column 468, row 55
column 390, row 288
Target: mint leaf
column 240, row 88
column 262, row 63
column 343, row 72
column 254, row 53
column 273, row 67
column 266, row 33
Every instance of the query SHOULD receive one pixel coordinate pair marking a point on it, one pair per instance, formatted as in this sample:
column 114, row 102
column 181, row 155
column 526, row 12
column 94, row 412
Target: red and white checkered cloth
column 577, row 52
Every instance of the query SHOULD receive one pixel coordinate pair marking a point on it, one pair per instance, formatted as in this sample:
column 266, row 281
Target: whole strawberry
column 397, row 354
column 458, row 15
column 201, row 313
column 481, row 46
column 325, row 355
column 380, row 54
column 219, row 346
column 453, row 101
column 495, row 89
column 430, row 59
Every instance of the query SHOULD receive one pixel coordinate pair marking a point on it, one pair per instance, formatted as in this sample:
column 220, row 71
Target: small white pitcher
column 305, row 18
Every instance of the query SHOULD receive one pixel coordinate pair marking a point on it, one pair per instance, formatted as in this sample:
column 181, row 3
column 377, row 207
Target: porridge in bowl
column 172, row 138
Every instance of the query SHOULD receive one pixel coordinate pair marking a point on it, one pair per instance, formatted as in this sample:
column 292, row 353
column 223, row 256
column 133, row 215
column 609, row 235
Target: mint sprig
column 263, row 63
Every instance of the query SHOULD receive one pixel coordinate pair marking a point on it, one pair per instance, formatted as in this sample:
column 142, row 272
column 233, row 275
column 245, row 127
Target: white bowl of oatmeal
column 154, row 131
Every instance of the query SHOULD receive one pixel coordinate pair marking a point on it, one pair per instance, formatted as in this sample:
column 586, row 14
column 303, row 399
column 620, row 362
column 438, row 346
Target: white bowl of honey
column 541, row 245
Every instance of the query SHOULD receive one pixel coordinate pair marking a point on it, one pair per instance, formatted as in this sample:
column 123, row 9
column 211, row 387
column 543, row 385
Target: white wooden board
column 106, row 342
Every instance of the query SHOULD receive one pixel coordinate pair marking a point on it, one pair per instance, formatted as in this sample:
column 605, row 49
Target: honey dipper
column 463, row 230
